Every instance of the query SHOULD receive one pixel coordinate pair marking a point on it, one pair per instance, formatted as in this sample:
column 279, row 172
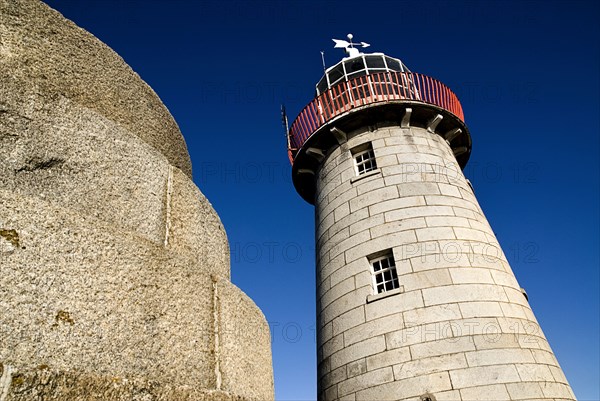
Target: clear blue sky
column 527, row 74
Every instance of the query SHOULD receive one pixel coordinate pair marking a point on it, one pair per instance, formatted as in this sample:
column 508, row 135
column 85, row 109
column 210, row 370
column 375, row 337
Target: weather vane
column 349, row 46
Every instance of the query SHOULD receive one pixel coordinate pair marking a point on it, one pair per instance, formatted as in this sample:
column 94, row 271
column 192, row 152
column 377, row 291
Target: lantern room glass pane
column 336, row 74
column 354, row 65
column 375, row 62
column 393, row 65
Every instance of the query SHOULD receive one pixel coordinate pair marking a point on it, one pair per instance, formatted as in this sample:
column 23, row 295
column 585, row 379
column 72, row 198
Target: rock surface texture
column 114, row 268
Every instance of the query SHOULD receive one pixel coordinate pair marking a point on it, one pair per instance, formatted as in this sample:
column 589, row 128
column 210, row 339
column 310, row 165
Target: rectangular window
column 385, row 277
column 364, row 159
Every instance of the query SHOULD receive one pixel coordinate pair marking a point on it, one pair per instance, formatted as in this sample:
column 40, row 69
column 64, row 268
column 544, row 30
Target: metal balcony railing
column 364, row 90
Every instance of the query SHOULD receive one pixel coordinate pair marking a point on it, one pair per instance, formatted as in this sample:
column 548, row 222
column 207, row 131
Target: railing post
column 374, row 95
column 350, row 97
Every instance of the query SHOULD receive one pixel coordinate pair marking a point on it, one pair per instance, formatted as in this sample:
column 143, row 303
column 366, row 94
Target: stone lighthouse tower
column 415, row 298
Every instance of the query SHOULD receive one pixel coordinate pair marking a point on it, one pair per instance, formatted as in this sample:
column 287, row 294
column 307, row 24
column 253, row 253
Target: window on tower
column 385, row 277
column 364, row 159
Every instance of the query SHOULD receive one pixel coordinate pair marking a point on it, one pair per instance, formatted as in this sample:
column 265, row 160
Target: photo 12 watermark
column 267, row 252
column 259, row 172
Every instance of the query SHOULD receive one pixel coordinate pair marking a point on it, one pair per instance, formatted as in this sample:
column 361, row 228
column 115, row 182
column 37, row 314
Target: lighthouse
column 415, row 298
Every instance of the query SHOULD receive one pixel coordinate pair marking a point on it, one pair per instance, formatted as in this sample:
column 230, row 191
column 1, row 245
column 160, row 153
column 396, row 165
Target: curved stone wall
column 88, row 302
column 78, row 295
column 83, row 161
column 114, row 268
column 459, row 327
column 43, row 54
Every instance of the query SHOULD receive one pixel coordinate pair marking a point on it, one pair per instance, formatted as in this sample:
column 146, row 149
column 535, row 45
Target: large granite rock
column 114, row 268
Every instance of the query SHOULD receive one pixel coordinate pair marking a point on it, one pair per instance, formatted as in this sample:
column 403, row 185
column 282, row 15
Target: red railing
column 368, row 89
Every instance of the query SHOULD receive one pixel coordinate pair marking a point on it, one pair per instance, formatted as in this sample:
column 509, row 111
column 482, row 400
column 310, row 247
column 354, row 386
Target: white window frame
column 369, row 159
column 389, row 256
